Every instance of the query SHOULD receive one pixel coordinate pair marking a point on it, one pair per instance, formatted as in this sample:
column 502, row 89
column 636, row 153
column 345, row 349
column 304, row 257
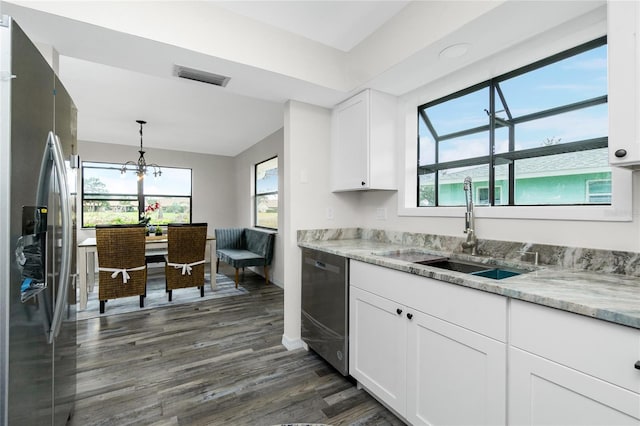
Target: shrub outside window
column 266, row 194
column 534, row 136
column 109, row 197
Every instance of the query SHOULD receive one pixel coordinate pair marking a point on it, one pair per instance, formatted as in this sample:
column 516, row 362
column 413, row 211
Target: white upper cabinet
column 363, row 151
column 624, row 90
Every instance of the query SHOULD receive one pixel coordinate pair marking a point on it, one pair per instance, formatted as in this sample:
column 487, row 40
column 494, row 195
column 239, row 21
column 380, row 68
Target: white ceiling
column 113, row 84
column 116, row 58
column 339, row 24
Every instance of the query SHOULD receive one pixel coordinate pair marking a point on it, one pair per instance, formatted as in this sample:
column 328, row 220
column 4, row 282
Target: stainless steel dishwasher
column 325, row 306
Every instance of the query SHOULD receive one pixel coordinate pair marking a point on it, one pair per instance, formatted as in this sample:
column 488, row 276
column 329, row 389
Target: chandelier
column 141, row 166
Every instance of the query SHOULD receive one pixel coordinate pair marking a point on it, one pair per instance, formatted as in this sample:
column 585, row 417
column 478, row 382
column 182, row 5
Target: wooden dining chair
column 121, row 262
column 185, row 259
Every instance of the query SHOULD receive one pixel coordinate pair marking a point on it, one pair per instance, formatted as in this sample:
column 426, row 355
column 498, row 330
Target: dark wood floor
column 219, row 362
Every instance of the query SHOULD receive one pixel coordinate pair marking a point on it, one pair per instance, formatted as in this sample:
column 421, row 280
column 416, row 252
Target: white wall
column 269, row 147
column 307, row 133
column 213, row 193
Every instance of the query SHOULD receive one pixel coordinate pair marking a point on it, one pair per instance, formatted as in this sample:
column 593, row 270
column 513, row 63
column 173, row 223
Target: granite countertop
column 609, row 297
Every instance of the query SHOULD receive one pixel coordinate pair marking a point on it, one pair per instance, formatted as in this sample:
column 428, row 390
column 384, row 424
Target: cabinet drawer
column 598, row 348
column 475, row 310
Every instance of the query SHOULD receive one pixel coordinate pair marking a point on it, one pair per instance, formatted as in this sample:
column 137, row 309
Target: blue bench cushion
column 240, row 258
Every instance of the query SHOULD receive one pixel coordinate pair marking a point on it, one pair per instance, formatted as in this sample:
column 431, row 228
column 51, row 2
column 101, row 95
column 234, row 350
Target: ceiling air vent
column 202, row 76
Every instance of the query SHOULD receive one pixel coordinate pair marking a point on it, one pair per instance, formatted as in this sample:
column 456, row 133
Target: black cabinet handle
column 637, row 365
column 363, row 183
column 409, row 315
column 620, row 153
column 398, row 311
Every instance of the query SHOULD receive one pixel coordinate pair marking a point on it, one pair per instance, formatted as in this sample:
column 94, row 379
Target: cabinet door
column 454, row 376
column 350, row 144
column 377, row 344
column 624, row 129
column 542, row 392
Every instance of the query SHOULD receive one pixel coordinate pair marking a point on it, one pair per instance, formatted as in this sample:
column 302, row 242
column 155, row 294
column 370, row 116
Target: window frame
column 492, row 159
column 261, row 194
column 621, row 208
column 140, row 196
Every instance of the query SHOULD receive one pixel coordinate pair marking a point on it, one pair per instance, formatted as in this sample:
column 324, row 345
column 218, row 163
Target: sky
column 574, row 79
column 173, row 181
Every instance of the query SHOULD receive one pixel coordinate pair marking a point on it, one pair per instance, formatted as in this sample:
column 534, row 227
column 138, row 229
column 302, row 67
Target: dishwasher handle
column 322, row 265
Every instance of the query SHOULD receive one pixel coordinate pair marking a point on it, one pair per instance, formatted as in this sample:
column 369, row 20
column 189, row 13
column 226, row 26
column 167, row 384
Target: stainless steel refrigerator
column 37, row 237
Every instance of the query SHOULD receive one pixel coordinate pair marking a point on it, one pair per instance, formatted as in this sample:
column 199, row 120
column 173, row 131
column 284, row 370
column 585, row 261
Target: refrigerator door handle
column 67, row 239
column 53, row 158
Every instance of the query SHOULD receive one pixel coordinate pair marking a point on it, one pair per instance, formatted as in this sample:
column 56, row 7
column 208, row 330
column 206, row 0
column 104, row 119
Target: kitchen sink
column 420, row 257
column 497, row 273
column 453, row 265
column 478, row 269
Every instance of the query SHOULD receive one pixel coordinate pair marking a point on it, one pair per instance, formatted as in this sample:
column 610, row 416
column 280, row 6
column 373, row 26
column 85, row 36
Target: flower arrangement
column 146, row 218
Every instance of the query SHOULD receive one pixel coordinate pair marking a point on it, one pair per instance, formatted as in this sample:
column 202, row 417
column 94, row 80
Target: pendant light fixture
column 141, row 166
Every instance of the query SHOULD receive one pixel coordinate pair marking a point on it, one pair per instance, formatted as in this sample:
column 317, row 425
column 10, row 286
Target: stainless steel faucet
column 469, row 224
column 534, row 253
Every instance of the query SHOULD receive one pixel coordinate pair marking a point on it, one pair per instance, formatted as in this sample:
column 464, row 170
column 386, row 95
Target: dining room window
column 110, row 197
column 266, row 194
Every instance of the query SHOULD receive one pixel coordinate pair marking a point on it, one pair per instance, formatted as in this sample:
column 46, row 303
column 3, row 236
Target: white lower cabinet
column 454, row 376
column 567, row 369
column 439, row 354
column 543, row 392
column 378, row 347
column 428, row 370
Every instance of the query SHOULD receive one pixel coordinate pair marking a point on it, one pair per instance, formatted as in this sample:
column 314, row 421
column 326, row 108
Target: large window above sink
column 534, row 136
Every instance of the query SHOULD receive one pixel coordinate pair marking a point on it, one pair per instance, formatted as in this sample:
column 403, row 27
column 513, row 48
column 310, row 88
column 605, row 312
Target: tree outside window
column 110, row 197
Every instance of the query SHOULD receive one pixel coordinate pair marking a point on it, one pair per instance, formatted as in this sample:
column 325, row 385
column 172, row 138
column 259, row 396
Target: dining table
column 155, row 245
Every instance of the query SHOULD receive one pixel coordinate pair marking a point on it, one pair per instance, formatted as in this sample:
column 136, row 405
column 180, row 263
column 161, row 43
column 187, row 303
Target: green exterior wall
column 548, row 190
